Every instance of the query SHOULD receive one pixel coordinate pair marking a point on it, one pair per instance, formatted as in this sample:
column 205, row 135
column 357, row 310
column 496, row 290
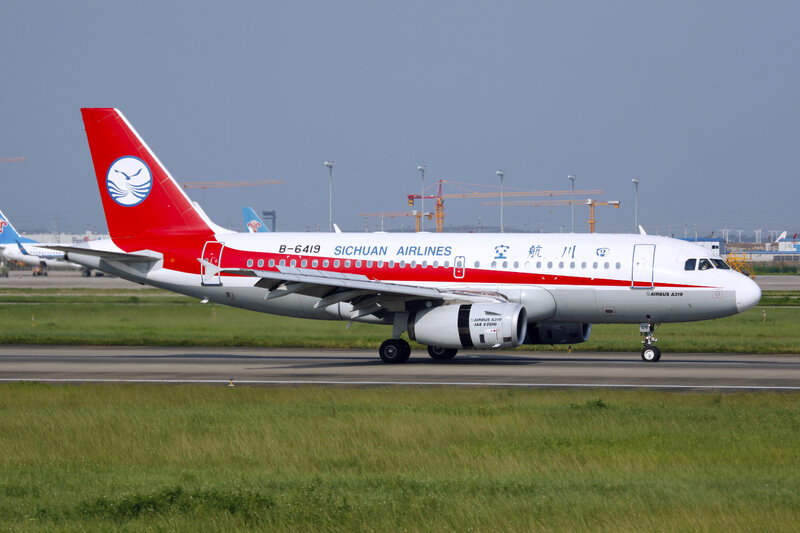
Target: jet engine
column 480, row 325
column 558, row 333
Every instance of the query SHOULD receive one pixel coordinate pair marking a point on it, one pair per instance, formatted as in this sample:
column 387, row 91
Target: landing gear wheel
column 394, row 351
column 437, row 352
column 650, row 353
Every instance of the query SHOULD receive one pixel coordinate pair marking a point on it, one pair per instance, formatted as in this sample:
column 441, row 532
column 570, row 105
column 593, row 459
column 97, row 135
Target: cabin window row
column 326, row 263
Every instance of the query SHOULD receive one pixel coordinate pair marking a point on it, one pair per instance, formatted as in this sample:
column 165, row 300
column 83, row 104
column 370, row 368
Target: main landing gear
column 437, row 352
column 398, row 351
column 650, row 352
column 394, row 351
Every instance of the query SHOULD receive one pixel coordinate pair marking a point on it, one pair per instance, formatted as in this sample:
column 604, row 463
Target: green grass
column 152, row 317
column 395, row 459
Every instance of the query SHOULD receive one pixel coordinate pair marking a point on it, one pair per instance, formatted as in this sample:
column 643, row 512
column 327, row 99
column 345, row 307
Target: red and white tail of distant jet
column 448, row 291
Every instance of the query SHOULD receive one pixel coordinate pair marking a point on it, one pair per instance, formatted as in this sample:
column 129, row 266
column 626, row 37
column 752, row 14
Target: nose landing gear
column 650, row 352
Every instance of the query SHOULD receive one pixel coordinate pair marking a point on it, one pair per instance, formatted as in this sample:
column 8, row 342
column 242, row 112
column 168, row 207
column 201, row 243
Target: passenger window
column 260, row 263
column 594, row 265
column 477, row 264
column 494, row 264
column 358, row 263
column 690, row 264
column 336, row 263
column 271, row 263
column 347, row 263
column 249, row 262
column 516, row 264
column 303, row 263
column 369, row 264
column 505, row 264
column 720, row 264
column 314, row 263
column 705, row 264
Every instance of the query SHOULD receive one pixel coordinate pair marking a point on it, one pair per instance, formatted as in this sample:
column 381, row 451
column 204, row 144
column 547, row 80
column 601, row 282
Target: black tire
column 394, row 351
column 650, row 353
column 441, row 354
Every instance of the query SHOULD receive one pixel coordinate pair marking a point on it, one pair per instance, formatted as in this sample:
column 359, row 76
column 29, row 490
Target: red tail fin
column 140, row 197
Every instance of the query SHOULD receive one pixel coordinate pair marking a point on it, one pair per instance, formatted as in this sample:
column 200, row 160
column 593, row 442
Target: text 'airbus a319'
column 448, row 291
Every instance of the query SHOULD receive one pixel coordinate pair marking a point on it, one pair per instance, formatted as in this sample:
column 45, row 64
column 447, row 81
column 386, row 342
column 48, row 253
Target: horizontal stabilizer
column 102, row 254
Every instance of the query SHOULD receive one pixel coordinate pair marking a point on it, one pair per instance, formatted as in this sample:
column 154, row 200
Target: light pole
column 329, row 165
column 501, row 173
column 572, row 202
column 636, row 209
column 421, row 169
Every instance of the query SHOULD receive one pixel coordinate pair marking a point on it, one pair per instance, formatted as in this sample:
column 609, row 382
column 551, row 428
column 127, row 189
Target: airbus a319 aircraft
column 448, row 291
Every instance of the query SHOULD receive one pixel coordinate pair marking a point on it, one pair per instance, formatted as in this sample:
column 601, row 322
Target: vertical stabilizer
column 140, row 197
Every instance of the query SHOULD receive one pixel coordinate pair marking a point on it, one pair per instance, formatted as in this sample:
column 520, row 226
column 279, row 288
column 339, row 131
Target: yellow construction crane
column 592, row 203
column 11, row 159
column 529, row 203
column 397, row 214
column 218, row 184
column 470, row 193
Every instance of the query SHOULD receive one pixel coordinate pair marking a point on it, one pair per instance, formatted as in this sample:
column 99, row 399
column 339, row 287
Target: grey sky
column 696, row 99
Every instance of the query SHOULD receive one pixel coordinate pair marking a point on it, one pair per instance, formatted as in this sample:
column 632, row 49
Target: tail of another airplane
column 252, row 221
column 8, row 235
column 140, row 197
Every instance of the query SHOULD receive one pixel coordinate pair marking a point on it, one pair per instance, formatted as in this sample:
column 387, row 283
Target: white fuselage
column 591, row 278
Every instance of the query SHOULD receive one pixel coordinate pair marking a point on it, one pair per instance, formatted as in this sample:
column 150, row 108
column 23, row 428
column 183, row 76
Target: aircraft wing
column 368, row 296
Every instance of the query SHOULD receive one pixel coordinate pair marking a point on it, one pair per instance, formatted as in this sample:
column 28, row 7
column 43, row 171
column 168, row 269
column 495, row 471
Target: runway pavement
column 363, row 367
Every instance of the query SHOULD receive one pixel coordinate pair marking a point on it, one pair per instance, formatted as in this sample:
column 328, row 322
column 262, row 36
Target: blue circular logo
column 129, row 181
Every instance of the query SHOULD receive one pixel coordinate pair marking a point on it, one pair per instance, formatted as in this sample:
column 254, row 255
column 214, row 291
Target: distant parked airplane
column 15, row 247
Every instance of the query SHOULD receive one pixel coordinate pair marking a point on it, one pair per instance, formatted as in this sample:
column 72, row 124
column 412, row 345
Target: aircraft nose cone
column 748, row 294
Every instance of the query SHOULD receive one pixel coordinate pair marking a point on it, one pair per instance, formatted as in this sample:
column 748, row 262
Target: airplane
column 252, row 221
column 15, row 247
column 448, row 291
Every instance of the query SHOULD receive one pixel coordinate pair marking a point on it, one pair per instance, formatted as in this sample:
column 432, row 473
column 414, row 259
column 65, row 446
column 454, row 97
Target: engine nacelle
column 558, row 333
column 481, row 325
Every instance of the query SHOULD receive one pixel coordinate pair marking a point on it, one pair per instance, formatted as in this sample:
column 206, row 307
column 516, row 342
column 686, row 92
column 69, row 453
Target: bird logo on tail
column 129, row 181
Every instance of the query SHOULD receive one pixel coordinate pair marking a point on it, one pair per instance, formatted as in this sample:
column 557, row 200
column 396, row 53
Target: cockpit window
column 720, row 264
column 705, row 264
column 690, row 264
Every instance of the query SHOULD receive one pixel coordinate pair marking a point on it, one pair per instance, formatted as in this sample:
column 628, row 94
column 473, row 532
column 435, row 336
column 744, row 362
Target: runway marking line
column 406, row 383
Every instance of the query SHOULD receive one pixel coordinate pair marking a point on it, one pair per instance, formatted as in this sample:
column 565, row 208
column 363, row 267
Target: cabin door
column 458, row 267
column 642, row 270
column 209, row 273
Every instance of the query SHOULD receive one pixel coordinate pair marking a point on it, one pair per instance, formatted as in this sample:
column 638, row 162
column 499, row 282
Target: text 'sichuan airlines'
column 448, row 291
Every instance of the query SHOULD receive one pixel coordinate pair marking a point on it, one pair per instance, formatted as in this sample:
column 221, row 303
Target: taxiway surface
column 363, row 367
